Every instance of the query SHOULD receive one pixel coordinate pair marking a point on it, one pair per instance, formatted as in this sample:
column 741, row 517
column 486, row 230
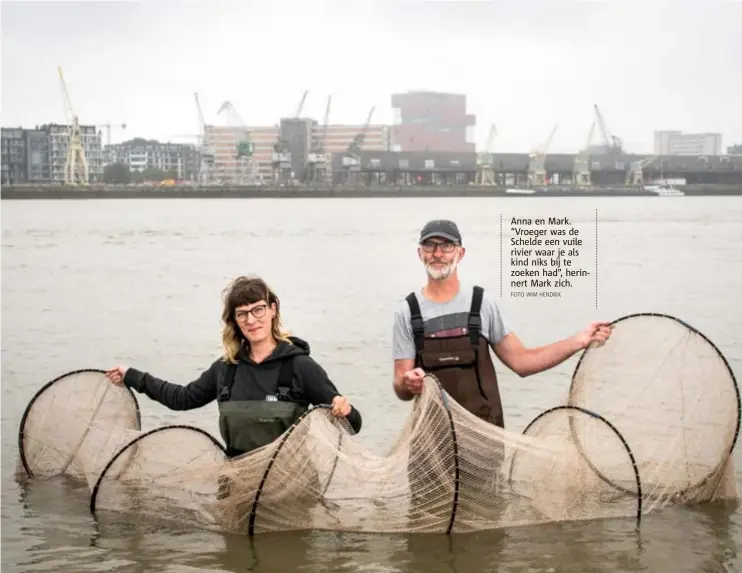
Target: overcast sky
column 526, row 65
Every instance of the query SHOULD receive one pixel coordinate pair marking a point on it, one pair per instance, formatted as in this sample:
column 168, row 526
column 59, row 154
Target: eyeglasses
column 446, row 246
column 256, row 311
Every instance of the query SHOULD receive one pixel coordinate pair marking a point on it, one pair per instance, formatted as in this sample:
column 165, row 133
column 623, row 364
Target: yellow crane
column 581, row 172
column 486, row 161
column 537, row 162
column 76, row 170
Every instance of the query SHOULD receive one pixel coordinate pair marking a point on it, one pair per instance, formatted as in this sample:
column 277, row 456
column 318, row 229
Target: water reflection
column 59, row 532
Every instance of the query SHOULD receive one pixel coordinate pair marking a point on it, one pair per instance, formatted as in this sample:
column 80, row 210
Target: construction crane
column 537, row 162
column 76, row 170
column 281, row 156
column 108, row 127
column 245, row 169
column 318, row 161
column 351, row 158
column 581, row 170
column 635, row 174
column 486, row 161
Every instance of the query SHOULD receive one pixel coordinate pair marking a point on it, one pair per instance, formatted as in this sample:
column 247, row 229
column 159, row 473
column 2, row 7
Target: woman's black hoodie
column 253, row 381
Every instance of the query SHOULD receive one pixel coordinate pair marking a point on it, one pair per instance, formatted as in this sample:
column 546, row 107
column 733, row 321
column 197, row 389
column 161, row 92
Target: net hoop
column 279, row 447
column 29, row 406
column 133, row 442
column 447, row 406
column 724, row 361
column 635, row 467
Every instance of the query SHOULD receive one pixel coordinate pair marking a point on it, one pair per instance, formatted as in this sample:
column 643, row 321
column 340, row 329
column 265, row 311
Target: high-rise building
column 432, row 121
column 678, row 143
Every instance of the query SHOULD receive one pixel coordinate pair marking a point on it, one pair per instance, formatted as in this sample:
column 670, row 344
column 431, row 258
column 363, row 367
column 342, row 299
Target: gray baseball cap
column 442, row 228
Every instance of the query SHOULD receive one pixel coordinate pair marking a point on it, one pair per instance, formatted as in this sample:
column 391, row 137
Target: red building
column 432, row 121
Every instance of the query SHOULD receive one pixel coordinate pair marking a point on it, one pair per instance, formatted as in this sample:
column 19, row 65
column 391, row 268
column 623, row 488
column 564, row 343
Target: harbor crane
column 611, row 143
column 245, row 169
column 486, row 161
column 635, row 174
column 351, row 158
column 581, row 171
column 76, row 170
column 281, row 156
column 537, row 162
column 318, row 162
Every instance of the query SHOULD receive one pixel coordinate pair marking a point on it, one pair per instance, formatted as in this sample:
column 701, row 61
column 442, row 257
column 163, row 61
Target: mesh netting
column 673, row 396
column 74, row 424
column 637, row 434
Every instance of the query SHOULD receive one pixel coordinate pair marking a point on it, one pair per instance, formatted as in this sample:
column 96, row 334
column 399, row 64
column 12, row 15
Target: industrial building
column 678, row 143
column 222, row 143
column 432, row 121
column 513, row 169
column 39, row 155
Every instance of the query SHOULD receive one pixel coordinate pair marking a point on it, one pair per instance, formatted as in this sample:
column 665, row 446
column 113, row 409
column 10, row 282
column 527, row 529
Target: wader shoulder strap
column 475, row 319
column 285, row 379
column 418, row 328
column 226, row 391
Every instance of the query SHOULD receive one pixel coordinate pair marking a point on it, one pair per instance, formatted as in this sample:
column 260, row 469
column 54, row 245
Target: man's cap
column 440, row 228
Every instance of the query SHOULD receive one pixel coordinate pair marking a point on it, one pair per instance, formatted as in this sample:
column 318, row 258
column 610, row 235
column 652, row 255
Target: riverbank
column 272, row 192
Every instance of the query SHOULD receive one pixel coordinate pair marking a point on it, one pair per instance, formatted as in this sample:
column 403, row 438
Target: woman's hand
column 116, row 374
column 340, row 406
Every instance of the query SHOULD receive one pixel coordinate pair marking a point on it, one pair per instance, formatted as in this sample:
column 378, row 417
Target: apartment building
column 14, row 156
column 678, row 143
column 139, row 154
column 39, row 155
column 58, row 139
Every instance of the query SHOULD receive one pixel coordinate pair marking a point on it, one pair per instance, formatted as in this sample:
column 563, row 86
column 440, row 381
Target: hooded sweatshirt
column 252, row 381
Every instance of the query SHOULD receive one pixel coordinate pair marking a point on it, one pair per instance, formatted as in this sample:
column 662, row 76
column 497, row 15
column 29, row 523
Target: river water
column 91, row 284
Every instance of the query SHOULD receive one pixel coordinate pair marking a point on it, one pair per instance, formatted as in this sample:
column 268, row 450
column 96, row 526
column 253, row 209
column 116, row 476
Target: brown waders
column 461, row 361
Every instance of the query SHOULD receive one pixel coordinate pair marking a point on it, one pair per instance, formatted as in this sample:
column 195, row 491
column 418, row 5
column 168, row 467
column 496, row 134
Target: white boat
column 665, row 190
column 516, row 191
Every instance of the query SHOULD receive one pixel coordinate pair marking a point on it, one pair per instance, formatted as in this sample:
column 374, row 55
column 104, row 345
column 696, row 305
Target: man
column 447, row 330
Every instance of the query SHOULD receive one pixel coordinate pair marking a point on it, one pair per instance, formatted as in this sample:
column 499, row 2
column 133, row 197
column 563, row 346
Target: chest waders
column 247, row 425
column 461, row 361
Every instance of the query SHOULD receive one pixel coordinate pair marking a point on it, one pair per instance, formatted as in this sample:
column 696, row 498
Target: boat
column 665, row 190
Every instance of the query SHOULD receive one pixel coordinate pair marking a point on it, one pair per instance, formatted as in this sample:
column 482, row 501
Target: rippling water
column 92, row 284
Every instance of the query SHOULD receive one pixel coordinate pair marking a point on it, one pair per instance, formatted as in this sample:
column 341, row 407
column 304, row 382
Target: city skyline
column 146, row 66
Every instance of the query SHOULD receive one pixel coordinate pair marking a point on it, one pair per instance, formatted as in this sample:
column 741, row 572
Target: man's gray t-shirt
column 443, row 316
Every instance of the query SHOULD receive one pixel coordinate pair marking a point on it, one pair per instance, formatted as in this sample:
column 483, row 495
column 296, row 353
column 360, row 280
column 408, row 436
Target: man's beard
column 440, row 274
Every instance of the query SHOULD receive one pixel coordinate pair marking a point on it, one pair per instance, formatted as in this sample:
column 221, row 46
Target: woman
column 264, row 381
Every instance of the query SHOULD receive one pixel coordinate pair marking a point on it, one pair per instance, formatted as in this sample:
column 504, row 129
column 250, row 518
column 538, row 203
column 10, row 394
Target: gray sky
column 648, row 64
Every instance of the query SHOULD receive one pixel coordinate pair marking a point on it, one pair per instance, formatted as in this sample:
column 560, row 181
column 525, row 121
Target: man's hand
column 412, row 380
column 340, row 406
column 116, row 374
column 597, row 332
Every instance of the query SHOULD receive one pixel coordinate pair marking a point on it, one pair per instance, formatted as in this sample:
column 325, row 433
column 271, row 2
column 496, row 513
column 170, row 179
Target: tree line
column 119, row 173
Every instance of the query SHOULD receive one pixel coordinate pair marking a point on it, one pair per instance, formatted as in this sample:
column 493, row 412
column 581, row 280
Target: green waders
column 247, row 425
